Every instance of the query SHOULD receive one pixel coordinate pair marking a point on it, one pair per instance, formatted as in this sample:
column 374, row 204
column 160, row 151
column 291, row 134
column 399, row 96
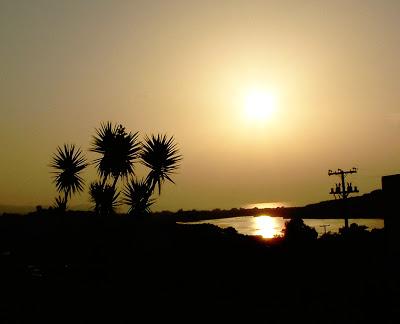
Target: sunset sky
column 329, row 72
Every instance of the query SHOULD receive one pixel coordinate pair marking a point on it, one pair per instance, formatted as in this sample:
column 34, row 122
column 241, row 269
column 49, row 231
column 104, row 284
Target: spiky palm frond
column 60, row 203
column 102, row 143
column 118, row 148
column 68, row 163
column 95, row 195
column 137, row 197
column 161, row 155
column 105, row 199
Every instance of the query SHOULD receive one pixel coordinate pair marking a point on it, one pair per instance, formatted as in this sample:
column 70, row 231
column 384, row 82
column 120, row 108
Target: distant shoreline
column 286, row 213
column 367, row 206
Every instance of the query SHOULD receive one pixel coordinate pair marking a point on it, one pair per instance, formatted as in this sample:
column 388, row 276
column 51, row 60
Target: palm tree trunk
column 66, row 194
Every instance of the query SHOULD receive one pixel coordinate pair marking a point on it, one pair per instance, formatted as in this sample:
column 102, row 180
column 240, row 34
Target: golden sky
column 183, row 68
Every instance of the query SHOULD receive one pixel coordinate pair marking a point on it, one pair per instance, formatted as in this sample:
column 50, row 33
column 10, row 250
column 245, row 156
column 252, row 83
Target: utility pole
column 324, row 226
column 343, row 191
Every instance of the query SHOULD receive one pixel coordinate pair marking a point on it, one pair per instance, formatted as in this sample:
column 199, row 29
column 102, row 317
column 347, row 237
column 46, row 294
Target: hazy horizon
column 186, row 68
column 123, row 209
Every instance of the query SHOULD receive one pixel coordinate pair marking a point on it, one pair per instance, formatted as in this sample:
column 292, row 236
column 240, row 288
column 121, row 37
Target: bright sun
column 259, row 105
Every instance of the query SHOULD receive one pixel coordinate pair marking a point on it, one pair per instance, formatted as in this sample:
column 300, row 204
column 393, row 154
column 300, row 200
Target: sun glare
column 266, row 226
column 259, row 105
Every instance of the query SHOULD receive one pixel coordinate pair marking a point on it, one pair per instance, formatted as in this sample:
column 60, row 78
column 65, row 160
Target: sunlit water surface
column 268, row 227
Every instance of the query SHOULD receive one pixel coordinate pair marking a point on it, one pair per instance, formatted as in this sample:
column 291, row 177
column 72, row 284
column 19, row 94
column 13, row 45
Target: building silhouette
column 391, row 194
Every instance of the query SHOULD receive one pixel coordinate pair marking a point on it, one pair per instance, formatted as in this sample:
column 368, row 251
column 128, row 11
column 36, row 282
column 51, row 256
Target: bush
column 296, row 231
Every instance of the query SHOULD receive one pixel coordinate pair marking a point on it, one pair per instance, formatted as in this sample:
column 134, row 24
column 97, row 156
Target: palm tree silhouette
column 161, row 155
column 59, row 203
column 136, row 196
column 104, row 198
column 118, row 150
column 68, row 163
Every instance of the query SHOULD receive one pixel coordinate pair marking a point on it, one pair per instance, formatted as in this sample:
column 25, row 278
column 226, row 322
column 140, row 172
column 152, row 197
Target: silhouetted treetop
column 137, row 197
column 104, row 198
column 119, row 150
column 68, row 162
column 161, row 155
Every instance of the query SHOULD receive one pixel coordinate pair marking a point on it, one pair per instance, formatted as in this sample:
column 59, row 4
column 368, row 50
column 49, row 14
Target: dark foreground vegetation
column 80, row 268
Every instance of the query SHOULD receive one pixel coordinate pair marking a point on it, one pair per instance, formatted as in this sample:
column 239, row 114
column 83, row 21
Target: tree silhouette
column 136, row 196
column 59, row 203
column 161, row 155
column 296, row 231
column 68, row 163
column 118, row 150
column 104, row 198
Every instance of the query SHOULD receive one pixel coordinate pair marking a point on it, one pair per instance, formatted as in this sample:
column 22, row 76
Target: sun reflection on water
column 267, row 226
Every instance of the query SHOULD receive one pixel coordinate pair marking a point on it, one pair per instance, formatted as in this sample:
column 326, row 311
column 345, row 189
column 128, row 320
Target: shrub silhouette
column 60, row 204
column 104, row 198
column 136, row 196
column 354, row 231
column 296, row 231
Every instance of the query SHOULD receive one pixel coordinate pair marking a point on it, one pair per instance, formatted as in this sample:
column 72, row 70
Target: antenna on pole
column 343, row 189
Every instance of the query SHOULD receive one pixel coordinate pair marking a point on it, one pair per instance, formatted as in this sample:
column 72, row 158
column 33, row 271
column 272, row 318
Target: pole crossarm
column 340, row 171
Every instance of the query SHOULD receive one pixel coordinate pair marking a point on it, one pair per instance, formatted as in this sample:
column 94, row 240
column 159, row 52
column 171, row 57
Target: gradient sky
column 181, row 67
